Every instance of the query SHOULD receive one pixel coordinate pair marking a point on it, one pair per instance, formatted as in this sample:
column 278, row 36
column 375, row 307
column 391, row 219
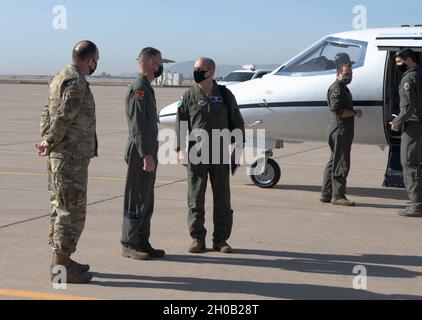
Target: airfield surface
column 287, row 245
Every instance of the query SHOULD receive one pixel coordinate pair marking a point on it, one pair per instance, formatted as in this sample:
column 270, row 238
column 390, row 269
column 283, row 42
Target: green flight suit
column 141, row 113
column 340, row 138
column 409, row 122
column 218, row 111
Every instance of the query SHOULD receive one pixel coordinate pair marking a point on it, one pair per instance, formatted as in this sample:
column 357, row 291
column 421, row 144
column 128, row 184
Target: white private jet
column 290, row 102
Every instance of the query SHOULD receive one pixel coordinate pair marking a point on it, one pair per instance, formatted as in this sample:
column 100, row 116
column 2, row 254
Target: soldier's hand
column 149, row 164
column 393, row 127
column 182, row 158
column 359, row 113
column 42, row 148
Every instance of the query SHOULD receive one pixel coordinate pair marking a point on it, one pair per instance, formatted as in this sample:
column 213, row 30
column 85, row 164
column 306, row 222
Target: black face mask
column 91, row 71
column 199, row 75
column 401, row 68
column 346, row 79
column 159, row 72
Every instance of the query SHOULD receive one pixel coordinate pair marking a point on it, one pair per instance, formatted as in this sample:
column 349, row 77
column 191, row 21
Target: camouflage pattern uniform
column 68, row 125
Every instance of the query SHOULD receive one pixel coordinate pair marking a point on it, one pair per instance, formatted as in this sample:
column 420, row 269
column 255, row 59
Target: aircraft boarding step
column 393, row 177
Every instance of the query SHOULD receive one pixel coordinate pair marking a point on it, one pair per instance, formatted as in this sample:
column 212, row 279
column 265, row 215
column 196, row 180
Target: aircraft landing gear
column 265, row 172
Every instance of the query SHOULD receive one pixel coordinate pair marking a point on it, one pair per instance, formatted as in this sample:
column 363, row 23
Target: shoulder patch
column 71, row 84
column 140, row 94
column 336, row 91
column 406, row 86
column 202, row 102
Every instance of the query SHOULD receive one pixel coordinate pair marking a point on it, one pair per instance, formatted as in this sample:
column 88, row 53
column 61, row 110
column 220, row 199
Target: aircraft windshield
column 320, row 58
column 238, row 76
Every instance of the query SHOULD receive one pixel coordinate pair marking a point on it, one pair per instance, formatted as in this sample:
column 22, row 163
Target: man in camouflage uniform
column 142, row 158
column 409, row 121
column 340, row 137
column 68, row 130
column 208, row 107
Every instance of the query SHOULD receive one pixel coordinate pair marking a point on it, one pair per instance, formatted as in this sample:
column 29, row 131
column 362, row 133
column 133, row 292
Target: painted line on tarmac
column 15, row 173
column 293, row 154
column 40, row 174
column 168, row 183
column 165, row 183
column 17, row 143
column 23, row 221
column 301, row 152
column 40, row 295
column 37, row 141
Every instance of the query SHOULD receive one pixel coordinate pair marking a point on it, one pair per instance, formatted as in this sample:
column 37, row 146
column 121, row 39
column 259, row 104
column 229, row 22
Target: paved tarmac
column 287, row 245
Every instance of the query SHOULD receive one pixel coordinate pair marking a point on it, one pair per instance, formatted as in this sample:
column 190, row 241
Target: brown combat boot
column 75, row 265
column 80, row 266
column 74, row 274
column 197, row 246
column 132, row 253
column 343, row 202
column 222, row 247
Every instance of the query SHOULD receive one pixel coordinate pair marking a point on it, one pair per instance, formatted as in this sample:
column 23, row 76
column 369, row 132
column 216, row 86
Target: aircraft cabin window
column 260, row 75
column 320, row 58
column 238, row 76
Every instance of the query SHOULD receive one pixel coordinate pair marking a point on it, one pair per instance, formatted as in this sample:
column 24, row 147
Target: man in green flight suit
column 409, row 121
column 340, row 137
column 68, row 130
column 141, row 155
column 208, row 108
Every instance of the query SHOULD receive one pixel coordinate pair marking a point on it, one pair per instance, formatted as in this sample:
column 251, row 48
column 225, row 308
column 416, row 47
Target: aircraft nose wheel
column 270, row 175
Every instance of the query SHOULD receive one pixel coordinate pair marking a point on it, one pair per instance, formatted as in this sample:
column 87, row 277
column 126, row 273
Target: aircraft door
column 392, row 44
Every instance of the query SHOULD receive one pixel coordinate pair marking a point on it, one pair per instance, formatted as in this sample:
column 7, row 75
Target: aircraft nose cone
column 167, row 115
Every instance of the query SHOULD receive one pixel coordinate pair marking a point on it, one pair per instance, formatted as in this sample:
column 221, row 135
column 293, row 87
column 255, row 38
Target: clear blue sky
column 230, row 31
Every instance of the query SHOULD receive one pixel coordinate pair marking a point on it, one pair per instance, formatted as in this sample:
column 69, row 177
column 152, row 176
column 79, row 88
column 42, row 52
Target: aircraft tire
column 270, row 177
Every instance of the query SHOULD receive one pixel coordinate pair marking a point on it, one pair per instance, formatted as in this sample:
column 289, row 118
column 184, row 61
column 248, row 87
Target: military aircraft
column 290, row 102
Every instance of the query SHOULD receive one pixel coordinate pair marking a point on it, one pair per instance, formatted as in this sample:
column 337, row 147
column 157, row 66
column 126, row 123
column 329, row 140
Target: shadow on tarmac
column 386, row 193
column 377, row 265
